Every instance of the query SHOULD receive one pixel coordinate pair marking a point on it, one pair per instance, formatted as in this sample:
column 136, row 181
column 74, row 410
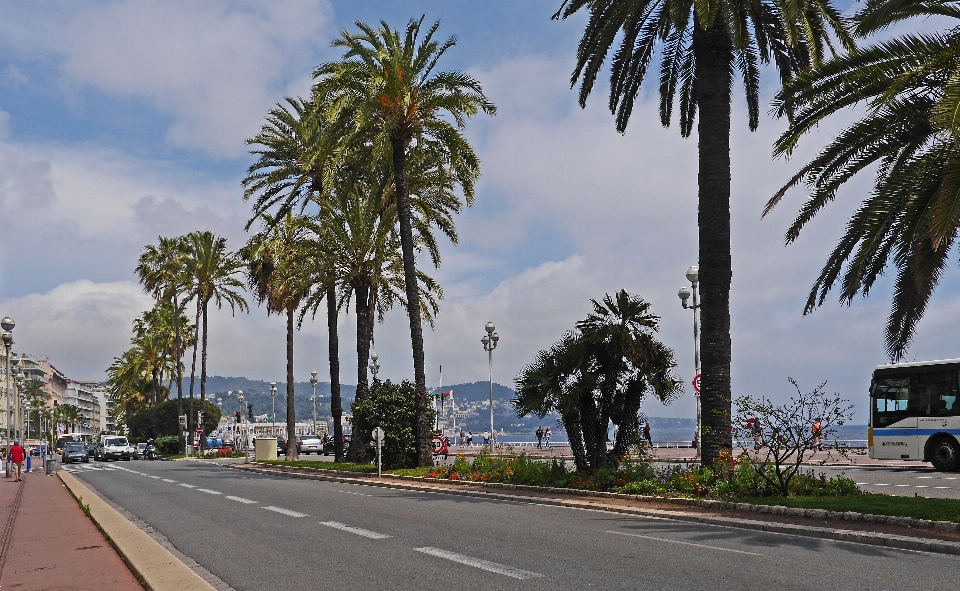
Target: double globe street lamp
column 490, row 341
column 313, row 382
column 7, row 324
column 273, row 402
column 693, row 276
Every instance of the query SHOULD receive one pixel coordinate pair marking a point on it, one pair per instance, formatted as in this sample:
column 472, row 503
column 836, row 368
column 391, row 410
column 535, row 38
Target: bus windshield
column 900, row 395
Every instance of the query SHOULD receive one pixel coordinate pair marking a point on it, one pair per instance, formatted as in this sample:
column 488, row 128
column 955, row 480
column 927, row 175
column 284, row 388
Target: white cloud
column 80, row 326
column 214, row 67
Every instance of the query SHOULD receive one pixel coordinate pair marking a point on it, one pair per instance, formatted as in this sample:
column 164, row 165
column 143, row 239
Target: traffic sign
column 183, row 420
column 696, row 383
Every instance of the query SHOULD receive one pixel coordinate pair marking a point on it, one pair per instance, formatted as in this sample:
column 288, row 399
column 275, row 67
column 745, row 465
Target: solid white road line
column 355, row 530
column 168, row 480
column 285, row 511
column 620, row 533
column 209, row 492
column 493, row 567
column 240, row 500
column 187, row 485
column 154, row 477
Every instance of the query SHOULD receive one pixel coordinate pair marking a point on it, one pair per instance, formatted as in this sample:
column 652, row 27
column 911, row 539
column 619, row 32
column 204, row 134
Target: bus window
column 891, row 399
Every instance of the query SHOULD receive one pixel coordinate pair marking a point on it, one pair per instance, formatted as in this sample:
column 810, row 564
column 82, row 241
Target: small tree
column 392, row 408
column 785, row 434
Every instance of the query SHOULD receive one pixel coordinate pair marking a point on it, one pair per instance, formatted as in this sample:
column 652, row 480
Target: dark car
column 328, row 444
column 281, row 446
column 75, row 451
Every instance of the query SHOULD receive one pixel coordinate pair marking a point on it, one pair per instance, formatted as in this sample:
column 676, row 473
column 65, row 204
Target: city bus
column 914, row 414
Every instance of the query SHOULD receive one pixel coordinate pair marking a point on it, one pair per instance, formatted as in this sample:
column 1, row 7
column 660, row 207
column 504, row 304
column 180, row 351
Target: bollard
column 28, row 463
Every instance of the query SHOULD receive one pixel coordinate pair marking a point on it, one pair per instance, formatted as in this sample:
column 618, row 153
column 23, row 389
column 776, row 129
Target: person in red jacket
column 17, row 455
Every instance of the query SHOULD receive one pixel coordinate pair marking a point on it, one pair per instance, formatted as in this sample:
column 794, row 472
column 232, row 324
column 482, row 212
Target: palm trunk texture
column 336, row 405
column 178, row 371
column 713, row 51
column 203, row 374
column 424, row 420
column 193, row 373
column 359, row 445
column 292, row 453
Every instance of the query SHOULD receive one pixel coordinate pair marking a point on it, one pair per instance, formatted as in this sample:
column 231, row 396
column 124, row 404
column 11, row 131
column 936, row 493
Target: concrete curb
column 844, row 535
column 150, row 561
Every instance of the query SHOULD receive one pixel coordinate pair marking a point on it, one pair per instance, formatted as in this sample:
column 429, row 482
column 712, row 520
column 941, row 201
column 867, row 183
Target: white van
column 113, row 447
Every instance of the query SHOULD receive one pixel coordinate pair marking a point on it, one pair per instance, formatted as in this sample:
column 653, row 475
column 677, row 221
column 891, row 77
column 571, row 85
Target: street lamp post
column 313, row 382
column 7, row 325
column 374, row 365
column 489, row 341
column 273, row 399
column 693, row 276
column 242, row 430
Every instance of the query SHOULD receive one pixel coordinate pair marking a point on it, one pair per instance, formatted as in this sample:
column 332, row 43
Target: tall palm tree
column 910, row 87
column 385, row 92
column 359, row 236
column 212, row 271
column 293, row 147
column 275, row 275
column 700, row 44
column 162, row 271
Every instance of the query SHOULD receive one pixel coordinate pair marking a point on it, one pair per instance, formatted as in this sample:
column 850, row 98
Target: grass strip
column 343, row 466
column 916, row 507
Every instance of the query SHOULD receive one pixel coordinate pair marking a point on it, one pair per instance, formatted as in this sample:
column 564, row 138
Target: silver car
column 308, row 444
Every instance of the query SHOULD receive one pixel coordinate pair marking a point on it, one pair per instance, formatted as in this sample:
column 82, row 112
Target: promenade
column 49, row 544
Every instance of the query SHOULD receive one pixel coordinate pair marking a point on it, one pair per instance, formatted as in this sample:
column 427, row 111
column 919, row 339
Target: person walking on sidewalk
column 646, row 434
column 17, row 455
column 546, row 436
column 539, row 434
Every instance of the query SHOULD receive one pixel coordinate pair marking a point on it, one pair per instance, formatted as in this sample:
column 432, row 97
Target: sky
column 123, row 121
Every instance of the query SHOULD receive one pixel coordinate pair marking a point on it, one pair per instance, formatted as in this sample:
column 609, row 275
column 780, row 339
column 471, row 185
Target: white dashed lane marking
column 209, row 492
column 620, row 533
column 493, row 567
column 187, row 485
column 240, row 500
column 355, row 530
column 283, row 511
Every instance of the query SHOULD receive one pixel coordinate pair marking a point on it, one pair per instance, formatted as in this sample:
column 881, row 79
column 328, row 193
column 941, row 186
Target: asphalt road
column 924, row 482
column 266, row 533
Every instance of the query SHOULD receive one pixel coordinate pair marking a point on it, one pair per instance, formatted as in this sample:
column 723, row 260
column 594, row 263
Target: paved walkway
column 49, row 544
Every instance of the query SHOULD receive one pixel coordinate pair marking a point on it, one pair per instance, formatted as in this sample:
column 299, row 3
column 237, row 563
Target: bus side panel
column 899, row 441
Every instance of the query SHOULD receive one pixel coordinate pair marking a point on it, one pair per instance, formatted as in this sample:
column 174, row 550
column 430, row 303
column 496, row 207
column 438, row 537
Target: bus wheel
column 945, row 455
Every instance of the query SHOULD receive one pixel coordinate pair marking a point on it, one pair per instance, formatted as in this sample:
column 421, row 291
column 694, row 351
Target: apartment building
column 84, row 396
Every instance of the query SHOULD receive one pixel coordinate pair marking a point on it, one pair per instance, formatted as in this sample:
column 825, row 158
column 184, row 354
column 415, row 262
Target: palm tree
column 162, row 271
column 700, row 44
column 212, row 271
column 599, row 374
column 359, row 236
column 384, row 92
column 910, row 86
column 293, row 147
column 276, row 277
column 37, row 398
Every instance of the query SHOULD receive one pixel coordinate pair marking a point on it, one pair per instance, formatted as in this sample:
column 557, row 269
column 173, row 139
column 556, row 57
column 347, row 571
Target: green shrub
column 168, row 445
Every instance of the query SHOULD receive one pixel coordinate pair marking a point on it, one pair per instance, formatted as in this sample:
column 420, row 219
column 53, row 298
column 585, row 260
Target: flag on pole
column 447, row 394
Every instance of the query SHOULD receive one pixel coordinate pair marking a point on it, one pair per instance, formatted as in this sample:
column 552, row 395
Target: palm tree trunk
column 336, row 405
column 292, row 453
column 361, row 431
column 203, row 370
column 178, row 371
column 193, row 373
column 713, row 51
column 424, row 420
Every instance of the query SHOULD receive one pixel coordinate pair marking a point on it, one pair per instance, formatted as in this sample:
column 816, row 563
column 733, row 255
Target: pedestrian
column 17, row 454
column 469, row 438
column 646, row 434
column 546, row 436
column 818, row 434
column 753, row 426
column 463, row 437
column 493, row 437
column 539, row 437
column 486, row 438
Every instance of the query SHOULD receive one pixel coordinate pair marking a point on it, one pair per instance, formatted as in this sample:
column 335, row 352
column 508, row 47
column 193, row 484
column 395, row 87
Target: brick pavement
column 52, row 545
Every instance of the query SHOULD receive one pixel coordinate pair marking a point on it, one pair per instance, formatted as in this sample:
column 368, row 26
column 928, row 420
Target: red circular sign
column 696, row 383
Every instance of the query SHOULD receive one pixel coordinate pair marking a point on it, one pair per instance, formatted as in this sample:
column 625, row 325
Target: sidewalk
column 49, row 544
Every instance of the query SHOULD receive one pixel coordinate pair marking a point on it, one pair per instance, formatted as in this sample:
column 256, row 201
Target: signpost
column 696, row 383
column 378, row 442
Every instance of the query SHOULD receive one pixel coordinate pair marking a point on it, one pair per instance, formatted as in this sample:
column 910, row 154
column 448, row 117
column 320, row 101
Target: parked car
column 91, row 450
column 281, row 446
column 113, row 447
column 138, row 453
column 226, row 448
column 74, row 451
column 308, row 444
